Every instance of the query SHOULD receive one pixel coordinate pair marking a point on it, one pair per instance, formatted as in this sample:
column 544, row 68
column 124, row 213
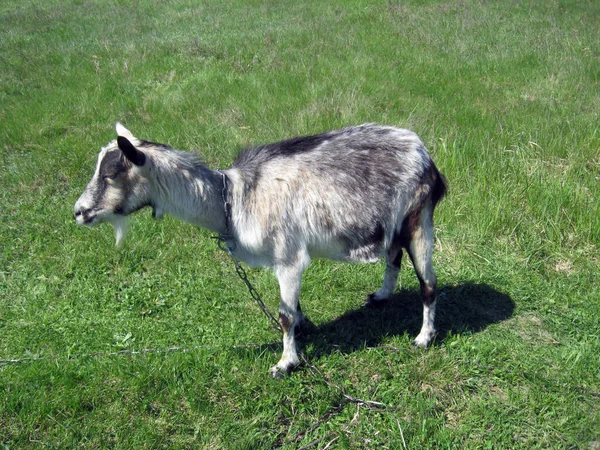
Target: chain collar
column 226, row 241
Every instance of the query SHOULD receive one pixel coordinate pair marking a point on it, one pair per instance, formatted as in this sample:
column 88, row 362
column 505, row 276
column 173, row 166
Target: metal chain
column 226, row 242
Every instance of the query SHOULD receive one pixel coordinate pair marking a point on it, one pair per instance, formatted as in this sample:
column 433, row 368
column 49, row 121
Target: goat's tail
column 439, row 188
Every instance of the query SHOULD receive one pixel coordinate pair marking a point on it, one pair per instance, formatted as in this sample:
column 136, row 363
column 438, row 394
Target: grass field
column 506, row 95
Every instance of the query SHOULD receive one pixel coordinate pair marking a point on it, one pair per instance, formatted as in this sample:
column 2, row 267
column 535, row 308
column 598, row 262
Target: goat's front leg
column 289, row 316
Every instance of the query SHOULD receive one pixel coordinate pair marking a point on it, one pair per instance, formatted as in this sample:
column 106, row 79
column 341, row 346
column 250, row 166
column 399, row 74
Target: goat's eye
column 111, row 174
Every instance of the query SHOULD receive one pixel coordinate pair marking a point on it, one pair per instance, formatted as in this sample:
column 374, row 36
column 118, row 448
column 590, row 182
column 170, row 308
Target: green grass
column 506, row 94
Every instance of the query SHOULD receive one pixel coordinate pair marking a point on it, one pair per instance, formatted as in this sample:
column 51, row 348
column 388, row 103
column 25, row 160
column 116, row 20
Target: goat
column 350, row 194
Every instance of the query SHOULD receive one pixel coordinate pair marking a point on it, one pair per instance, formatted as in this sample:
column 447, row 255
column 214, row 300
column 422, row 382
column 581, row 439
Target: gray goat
column 350, row 194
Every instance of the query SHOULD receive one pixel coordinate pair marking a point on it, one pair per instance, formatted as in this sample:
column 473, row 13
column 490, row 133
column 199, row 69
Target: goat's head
column 119, row 187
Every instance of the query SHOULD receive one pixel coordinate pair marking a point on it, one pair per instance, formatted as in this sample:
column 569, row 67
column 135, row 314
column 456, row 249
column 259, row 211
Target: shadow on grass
column 466, row 307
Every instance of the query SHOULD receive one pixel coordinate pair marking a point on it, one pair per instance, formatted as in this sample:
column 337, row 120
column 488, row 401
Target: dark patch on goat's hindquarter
column 433, row 184
column 409, row 224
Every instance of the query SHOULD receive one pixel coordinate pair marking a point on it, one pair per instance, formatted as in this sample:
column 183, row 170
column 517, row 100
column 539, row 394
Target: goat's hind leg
column 420, row 250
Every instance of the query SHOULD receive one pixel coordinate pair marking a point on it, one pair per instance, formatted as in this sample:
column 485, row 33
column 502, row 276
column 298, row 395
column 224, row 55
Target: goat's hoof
column 283, row 368
column 422, row 342
column 279, row 372
column 415, row 346
column 276, row 372
column 373, row 301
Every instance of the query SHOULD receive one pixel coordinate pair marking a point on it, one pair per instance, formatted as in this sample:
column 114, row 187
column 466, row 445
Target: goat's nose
column 80, row 215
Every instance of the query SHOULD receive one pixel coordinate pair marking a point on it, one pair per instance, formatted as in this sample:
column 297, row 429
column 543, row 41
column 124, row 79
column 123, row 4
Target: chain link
column 223, row 245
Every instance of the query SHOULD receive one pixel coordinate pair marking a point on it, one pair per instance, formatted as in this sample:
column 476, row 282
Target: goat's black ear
column 131, row 153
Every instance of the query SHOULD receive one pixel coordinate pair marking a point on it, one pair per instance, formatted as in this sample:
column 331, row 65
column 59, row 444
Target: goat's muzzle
column 84, row 216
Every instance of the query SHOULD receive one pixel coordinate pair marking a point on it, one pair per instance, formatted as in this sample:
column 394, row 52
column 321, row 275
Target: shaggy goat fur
column 351, row 194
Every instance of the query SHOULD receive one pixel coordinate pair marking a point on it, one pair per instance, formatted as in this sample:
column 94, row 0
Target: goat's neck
column 192, row 196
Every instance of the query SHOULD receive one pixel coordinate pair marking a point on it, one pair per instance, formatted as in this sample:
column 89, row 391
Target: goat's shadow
column 466, row 307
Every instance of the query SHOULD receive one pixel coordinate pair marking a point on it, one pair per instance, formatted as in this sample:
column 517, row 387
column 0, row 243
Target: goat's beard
column 120, row 225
